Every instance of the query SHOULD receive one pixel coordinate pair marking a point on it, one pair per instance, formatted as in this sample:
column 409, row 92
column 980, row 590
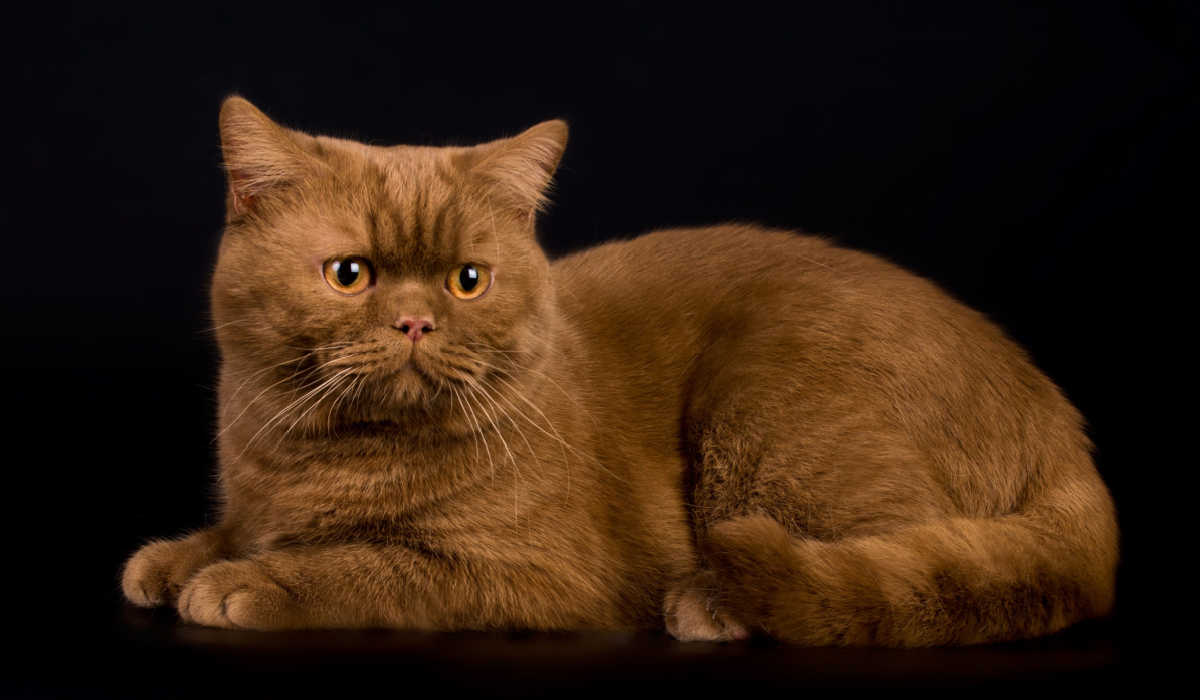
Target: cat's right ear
column 259, row 154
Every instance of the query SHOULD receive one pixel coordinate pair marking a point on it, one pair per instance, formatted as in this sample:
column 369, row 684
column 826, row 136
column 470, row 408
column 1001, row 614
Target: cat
column 723, row 432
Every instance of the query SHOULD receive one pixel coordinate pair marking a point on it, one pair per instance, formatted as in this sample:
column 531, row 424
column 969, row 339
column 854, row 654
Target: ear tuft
column 259, row 154
column 521, row 168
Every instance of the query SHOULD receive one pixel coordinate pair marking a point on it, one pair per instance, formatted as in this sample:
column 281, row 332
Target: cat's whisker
column 508, row 415
column 510, row 375
column 354, row 400
column 454, row 398
column 368, row 353
column 310, row 389
column 282, row 414
column 437, row 392
column 326, row 390
column 302, row 376
column 477, row 433
column 300, row 359
column 347, row 396
column 332, row 346
column 333, row 408
column 475, row 390
column 522, row 368
column 556, row 436
column 500, row 434
column 214, row 329
column 256, row 374
column 562, row 443
column 477, row 345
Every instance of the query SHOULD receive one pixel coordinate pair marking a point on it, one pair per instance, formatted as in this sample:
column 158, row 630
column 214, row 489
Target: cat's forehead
column 414, row 221
column 408, row 203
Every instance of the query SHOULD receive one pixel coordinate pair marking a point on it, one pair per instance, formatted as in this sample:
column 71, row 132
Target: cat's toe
column 157, row 572
column 691, row 618
column 150, row 577
column 143, row 585
column 236, row 595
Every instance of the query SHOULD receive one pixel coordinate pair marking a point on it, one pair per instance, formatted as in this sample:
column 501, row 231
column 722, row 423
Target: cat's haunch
column 725, row 431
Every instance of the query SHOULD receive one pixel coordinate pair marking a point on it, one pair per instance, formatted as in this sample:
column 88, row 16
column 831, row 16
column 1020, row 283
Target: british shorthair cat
column 725, row 431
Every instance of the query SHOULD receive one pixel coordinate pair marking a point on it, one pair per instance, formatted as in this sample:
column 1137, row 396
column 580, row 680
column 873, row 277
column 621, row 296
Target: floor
column 151, row 654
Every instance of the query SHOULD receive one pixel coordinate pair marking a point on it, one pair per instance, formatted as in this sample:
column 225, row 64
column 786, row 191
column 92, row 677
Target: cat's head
column 364, row 282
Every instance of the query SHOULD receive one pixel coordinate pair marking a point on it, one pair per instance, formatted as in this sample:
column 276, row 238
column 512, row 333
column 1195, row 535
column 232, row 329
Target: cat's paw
column 237, row 594
column 156, row 573
column 691, row 615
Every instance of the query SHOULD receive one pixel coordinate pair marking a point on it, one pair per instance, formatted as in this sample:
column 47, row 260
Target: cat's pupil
column 347, row 273
column 468, row 277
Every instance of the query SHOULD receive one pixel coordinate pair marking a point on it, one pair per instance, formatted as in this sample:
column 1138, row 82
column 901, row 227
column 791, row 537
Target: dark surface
column 597, row 661
column 1035, row 161
column 152, row 655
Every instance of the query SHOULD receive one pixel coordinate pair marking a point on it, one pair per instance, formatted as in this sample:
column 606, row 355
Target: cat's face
column 372, row 281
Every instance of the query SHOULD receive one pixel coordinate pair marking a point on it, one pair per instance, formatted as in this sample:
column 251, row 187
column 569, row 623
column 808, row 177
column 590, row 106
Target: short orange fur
column 723, row 431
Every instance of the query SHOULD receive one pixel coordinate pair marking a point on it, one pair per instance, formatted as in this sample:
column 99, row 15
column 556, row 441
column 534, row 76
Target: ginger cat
column 724, row 431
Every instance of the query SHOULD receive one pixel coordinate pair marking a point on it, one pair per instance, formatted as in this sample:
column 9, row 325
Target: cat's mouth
column 417, row 366
column 410, row 381
column 404, row 379
column 407, row 369
column 410, row 370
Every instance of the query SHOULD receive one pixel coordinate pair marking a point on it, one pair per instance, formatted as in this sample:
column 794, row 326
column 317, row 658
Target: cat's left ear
column 518, row 170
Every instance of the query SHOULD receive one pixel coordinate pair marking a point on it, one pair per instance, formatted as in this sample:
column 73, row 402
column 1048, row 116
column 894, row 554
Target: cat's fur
column 725, row 430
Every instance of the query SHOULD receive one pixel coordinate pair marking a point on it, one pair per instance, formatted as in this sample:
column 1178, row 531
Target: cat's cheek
column 237, row 595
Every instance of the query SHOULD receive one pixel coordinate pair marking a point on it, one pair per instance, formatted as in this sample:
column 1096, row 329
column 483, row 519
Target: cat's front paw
column 237, row 594
column 156, row 573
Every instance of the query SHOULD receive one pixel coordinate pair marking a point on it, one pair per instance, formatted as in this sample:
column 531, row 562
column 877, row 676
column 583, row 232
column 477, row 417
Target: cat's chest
column 348, row 493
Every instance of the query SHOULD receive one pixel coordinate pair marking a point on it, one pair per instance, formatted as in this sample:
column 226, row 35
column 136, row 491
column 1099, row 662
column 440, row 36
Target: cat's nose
column 414, row 326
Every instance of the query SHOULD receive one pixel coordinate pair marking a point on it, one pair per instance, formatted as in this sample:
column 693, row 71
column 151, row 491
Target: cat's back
column 738, row 273
column 738, row 284
column 680, row 257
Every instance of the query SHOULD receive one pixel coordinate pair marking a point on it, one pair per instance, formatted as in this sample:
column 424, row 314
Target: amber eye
column 469, row 281
column 348, row 275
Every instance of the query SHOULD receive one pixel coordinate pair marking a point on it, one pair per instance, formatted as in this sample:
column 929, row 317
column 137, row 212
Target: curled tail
column 951, row 581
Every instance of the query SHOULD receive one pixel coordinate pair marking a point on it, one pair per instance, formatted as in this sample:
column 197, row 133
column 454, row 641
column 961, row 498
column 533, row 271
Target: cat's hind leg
column 692, row 612
column 769, row 464
column 880, row 483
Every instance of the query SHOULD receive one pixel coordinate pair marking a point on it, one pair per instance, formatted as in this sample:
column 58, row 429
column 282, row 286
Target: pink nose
column 414, row 326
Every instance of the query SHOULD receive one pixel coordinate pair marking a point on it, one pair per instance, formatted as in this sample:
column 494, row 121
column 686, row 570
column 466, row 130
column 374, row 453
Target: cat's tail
column 952, row 581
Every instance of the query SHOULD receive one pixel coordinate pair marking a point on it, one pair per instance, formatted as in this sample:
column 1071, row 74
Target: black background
column 1025, row 157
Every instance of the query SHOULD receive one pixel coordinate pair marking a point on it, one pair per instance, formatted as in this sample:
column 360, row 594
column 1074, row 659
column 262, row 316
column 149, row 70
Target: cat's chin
column 404, row 399
column 409, row 385
column 404, row 393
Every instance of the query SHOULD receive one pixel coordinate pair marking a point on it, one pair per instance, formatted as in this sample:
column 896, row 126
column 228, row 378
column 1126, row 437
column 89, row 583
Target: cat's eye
column 348, row 275
column 469, row 281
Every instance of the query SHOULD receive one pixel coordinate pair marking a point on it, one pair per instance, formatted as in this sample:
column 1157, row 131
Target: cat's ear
column 259, row 154
column 518, row 170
